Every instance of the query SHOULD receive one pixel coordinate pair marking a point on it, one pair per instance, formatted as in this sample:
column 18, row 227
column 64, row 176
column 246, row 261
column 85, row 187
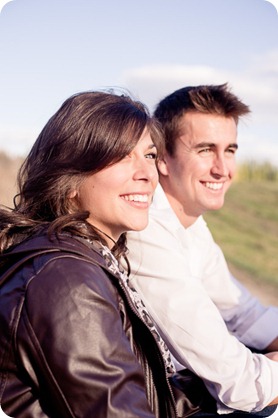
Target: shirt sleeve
column 192, row 325
column 252, row 323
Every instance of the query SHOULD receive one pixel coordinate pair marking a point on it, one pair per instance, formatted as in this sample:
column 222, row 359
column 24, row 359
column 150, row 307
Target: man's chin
column 215, row 205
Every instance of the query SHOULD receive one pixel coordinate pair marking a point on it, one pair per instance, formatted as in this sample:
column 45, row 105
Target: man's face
column 196, row 178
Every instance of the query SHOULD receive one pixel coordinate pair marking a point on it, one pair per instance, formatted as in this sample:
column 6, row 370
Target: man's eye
column 231, row 150
column 204, row 150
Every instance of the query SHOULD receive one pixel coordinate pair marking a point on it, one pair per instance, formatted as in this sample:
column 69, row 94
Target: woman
column 75, row 339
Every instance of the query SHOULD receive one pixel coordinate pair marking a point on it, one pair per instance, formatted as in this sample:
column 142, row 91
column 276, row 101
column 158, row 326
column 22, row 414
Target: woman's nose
column 146, row 170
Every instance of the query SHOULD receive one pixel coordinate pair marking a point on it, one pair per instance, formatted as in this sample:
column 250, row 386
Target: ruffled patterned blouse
column 139, row 305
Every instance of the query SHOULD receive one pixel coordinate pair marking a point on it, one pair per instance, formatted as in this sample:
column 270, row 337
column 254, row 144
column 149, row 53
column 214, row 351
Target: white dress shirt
column 204, row 314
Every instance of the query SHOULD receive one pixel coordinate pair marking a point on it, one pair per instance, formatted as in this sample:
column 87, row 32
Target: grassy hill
column 246, row 228
column 8, row 171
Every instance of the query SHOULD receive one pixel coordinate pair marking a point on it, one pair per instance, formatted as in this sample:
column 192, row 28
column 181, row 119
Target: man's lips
column 213, row 186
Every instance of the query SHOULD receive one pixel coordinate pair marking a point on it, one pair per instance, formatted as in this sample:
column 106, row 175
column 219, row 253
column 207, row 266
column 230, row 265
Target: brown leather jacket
column 70, row 339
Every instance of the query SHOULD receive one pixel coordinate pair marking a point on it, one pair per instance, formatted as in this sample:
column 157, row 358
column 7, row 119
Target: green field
column 246, row 228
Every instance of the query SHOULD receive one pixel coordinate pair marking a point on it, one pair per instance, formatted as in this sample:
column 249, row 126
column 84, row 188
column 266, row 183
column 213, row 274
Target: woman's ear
column 72, row 194
column 162, row 166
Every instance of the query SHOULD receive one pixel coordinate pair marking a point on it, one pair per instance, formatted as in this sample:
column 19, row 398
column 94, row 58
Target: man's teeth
column 136, row 197
column 214, row 186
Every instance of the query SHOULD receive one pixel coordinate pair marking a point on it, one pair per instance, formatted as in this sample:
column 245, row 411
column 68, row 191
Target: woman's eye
column 152, row 155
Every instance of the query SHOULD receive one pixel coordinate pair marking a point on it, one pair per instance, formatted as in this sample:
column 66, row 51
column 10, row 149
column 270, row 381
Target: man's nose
column 220, row 165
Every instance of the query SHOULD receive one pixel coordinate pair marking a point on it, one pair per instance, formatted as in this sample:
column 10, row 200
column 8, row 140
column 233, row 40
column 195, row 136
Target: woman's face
column 118, row 197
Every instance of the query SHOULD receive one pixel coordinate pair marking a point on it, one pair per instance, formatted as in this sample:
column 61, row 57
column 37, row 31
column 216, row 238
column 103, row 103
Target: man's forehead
column 195, row 115
column 202, row 127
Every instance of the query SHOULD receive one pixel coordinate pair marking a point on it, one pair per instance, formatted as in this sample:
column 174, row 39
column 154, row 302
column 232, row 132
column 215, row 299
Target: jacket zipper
column 157, row 348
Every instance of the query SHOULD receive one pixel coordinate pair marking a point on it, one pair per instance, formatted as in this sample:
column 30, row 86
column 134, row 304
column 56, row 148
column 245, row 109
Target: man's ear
column 162, row 167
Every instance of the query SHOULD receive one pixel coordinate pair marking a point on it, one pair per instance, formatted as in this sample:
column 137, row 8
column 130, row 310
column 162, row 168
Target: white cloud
column 257, row 86
column 267, row 64
column 17, row 141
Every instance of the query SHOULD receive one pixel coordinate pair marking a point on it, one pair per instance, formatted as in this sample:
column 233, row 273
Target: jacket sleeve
column 73, row 346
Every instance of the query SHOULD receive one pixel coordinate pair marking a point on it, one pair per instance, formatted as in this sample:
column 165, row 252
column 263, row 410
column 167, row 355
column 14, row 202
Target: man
column 206, row 316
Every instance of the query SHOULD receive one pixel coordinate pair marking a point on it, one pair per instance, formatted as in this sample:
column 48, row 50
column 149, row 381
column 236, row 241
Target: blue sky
column 50, row 49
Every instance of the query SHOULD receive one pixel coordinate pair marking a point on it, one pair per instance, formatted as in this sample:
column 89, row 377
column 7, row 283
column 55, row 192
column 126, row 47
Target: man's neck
column 185, row 219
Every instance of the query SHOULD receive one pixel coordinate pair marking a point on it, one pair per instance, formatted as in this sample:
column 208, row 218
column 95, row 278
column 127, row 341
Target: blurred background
column 51, row 49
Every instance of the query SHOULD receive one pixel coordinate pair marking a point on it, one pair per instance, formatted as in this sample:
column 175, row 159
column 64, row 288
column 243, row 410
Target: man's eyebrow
column 213, row 145
column 235, row 146
column 204, row 145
